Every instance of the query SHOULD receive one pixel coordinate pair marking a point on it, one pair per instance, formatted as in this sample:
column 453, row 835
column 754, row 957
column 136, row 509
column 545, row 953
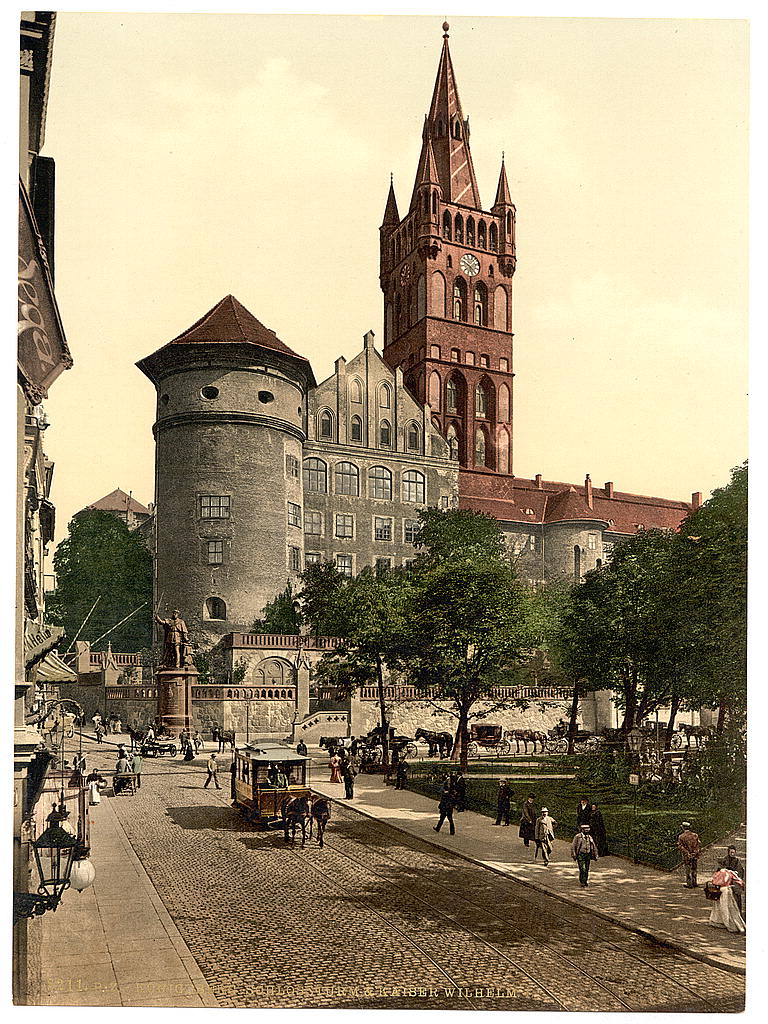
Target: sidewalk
column 114, row 944
column 651, row 902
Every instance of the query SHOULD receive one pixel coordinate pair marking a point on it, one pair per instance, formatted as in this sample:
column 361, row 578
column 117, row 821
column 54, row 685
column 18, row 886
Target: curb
column 637, row 929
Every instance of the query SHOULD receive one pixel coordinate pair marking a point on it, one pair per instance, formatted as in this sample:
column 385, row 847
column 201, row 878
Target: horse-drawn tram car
column 266, row 776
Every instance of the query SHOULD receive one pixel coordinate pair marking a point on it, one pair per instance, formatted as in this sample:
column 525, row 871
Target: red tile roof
column 119, row 501
column 516, row 500
column 230, row 322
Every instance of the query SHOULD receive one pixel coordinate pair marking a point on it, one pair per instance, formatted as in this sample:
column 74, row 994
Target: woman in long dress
column 334, row 764
column 725, row 911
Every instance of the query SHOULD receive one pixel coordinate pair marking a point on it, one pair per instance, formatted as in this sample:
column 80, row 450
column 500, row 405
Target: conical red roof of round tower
column 230, row 322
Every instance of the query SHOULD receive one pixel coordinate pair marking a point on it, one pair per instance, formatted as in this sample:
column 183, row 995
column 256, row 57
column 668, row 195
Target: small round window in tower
column 164, row 399
column 209, row 392
column 265, row 397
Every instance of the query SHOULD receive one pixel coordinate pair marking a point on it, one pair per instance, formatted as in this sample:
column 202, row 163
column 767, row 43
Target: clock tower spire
column 446, row 274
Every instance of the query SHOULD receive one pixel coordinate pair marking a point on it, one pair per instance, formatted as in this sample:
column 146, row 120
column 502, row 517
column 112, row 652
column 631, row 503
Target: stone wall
column 409, row 716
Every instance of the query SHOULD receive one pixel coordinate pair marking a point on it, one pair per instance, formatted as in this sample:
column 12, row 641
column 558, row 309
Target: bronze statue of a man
column 175, row 640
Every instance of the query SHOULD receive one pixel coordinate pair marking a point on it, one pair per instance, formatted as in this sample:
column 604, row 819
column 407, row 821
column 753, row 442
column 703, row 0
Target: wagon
column 583, row 741
column 155, row 748
column 487, row 737
column 256, row 792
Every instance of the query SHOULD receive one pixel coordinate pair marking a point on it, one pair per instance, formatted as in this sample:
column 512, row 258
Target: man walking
column 445, row 806
column 689, row 846
column 503, row 804
column 584, row 813
column 401, row 774
column 213, row 769
column 544, row 833
column 348, row 773
column 137, row 763
column 528, row 820
column 583, row 851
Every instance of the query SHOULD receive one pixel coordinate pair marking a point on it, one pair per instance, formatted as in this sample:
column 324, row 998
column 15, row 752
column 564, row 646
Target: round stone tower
column 231, row 416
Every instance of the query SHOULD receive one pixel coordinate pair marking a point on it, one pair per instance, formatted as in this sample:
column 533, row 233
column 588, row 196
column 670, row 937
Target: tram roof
column 270, row 752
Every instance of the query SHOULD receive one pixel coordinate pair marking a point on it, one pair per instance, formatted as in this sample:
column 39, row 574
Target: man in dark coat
column 401, row 774
column 528, row 819
column 460, row 791
column 690, row 847
column 348, row 773
column 301, row 748
column 502, row 803
column 583, row 812
column 445, row 806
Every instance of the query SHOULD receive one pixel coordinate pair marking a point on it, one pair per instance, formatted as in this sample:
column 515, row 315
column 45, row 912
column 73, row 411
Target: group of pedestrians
column 726, row 887
column 125, row 767
column 344, row 768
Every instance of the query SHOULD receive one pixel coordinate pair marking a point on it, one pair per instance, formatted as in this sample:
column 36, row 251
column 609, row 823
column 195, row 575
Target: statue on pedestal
column 176, row 646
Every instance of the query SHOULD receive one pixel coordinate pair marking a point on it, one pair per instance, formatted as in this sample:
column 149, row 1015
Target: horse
column 527, row 736
column 701, row 733
column 440, row 743
column 295, row 811
column 226, row 736
column 320, row 813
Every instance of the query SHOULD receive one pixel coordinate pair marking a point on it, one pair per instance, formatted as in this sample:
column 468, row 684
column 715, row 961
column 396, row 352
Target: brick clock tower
column 446, row 273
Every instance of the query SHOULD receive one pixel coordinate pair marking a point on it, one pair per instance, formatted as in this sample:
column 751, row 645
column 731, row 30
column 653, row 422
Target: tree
column 465, row 623
column 101, row 558
column 320, row 599
column 281, row 615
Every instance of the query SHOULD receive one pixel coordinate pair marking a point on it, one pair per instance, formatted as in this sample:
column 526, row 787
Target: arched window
column 357, row 429
column 326, row 424
column 457, row 129
column 481, row 236
column 434, row 204
column 385, row 395
column 413, row 437
column 447, row 225
column 458, row 228
column 459, row 299
column 315, row 476
column 215, row 608
column 453, row 441
column 385, row 434
column 451, row 396
column 270, row 673
column 413, row 486
column 480, row 304
column 380, row 483
column 421, row 297
column 503, row 453
column 438, row 293
column 509, row 223
column 500, row 308
column 482, row 403
column 493, row 239
column 503, row 415
column 470, row 231
column 576, row 562
column 434, row 391
column 347, row 478
column 355, row 390
column 426, row 203
column 480, row 447
column 455, row 355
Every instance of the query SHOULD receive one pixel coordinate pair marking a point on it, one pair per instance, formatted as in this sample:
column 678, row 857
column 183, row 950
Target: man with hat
column 584, row 851
column 544, row 834
column 503, row 801
column 689, row 846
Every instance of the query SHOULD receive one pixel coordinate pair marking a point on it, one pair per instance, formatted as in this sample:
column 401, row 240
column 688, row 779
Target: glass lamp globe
column 82, row 874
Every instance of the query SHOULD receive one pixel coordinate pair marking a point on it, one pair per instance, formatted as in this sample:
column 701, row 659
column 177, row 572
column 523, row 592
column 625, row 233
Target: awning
column 38, row 640
column 53, row 670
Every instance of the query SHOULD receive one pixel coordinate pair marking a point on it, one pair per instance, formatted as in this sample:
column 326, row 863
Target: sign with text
column 42, row 348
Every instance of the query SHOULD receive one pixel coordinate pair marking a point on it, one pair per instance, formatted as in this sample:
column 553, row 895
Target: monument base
column 174, row 698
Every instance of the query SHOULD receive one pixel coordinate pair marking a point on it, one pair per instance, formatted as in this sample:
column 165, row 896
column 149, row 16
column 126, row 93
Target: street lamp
column 54, row 851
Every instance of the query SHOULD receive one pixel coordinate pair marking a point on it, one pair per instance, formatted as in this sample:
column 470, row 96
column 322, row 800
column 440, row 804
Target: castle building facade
column 260, row 470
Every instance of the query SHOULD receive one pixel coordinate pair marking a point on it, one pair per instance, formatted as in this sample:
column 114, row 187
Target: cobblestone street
column 381, row 919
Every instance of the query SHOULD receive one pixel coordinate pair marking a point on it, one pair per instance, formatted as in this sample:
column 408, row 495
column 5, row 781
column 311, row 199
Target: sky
column 201, row 155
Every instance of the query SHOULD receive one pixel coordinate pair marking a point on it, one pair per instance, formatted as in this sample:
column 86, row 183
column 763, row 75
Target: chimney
column 538, row 480
column 588, row 490
column 696, row 500
column 608, row 487
column 368, row 339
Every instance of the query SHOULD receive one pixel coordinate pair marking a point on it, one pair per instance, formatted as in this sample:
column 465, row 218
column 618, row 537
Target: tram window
column 245, row 771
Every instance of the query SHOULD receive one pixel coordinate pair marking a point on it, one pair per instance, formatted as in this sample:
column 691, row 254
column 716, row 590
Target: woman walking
column 335, row 764
column 528, row 820
column 544, row 833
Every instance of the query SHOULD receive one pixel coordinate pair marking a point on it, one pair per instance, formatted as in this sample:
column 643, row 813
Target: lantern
column 82, row 875
column 53, row 851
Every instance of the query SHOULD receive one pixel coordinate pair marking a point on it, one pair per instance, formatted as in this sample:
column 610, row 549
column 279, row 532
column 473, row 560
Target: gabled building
column 123, row 506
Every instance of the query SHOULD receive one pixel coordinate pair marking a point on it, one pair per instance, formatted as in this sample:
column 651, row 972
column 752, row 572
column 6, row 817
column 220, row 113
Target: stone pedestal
column 174, row 698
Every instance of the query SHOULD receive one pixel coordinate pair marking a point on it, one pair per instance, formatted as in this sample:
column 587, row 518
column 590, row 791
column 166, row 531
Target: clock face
column 405, row 273
column 470, row 264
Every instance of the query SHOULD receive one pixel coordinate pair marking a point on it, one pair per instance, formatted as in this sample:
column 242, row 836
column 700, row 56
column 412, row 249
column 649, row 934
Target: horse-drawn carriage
column 158, row 747
column 371, row 748
column 584, row 741
column 487, row 737
column 266, row 774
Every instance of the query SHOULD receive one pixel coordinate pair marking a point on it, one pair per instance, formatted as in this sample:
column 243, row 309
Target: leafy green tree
column 281, row 615
column 466, row 622
column 101, row 558
column 321, row 599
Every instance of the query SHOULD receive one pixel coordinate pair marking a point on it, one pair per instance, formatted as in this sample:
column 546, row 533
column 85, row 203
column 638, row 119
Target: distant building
column 122, row 505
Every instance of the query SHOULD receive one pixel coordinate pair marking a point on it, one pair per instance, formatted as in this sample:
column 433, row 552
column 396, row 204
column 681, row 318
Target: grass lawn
column 648, row 832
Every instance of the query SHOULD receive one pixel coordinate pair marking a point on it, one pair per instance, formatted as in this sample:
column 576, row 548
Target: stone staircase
column 321, row 723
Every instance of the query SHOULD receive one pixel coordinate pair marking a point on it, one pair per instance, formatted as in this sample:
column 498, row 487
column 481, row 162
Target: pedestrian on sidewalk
column 583, row 813
column 137, row 764
column 348, row 773
column 445, row 806
column 689, row 846
column 732, row 863
column 725, row 910
column 189, row 752
column 460, row 791
column 528, row 820
column 215, row 733
column 584, row 851
column 213, row 770
column 503, row 798
column 544, row 833
column 198, row 741
column 334, row 764
column 401, row 774
column 99, row 732
column 121, row 768
column 597, row 827
column 301, row 748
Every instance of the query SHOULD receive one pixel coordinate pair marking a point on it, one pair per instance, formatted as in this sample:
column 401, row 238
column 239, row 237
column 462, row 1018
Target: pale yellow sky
column 199, row 155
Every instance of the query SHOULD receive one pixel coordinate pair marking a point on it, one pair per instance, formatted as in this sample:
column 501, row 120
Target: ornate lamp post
column 54, row 851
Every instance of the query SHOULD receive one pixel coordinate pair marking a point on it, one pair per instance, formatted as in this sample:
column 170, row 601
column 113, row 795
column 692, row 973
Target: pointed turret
column 447, row 130
column 391, row 214
column 503, row 198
